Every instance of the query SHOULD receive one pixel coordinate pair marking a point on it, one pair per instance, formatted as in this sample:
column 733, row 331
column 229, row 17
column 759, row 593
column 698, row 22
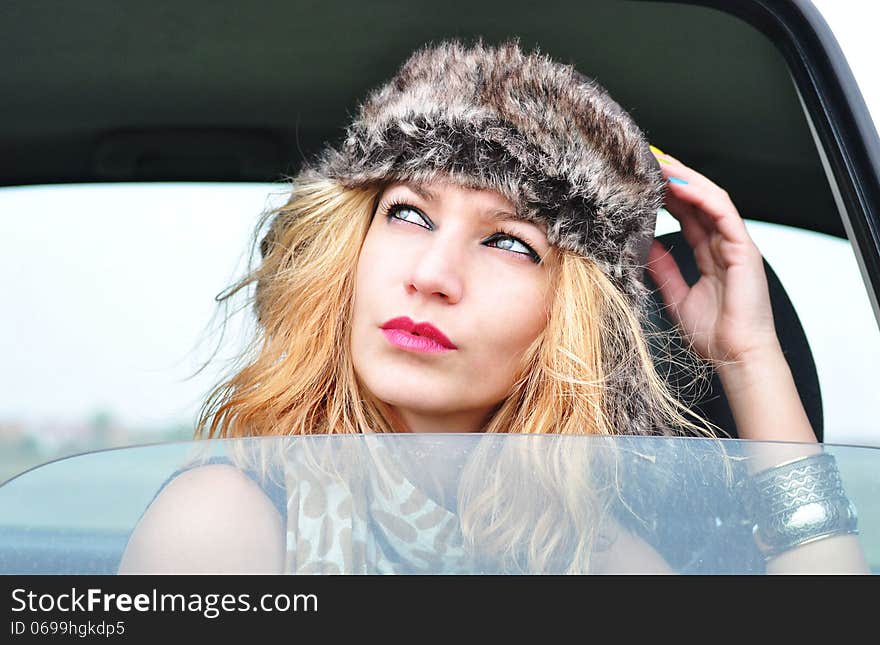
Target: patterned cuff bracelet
column 798, row 502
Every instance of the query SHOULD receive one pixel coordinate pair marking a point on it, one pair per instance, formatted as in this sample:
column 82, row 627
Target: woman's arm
column 762, row 393
column 627, row 553
column 728, row 319
column 210, row 519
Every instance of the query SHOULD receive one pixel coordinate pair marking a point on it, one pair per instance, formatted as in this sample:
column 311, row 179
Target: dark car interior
column 94, row 92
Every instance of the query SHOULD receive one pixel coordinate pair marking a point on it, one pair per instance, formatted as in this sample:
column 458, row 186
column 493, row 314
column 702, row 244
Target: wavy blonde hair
column 297, row 377
column 584, row 374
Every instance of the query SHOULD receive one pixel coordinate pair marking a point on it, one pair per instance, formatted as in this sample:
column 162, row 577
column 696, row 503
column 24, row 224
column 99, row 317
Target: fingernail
column 662, row 160
column 656, row 150
column 676, row 180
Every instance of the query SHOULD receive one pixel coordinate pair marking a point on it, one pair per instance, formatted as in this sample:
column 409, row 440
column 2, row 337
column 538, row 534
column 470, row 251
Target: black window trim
column 836, row 110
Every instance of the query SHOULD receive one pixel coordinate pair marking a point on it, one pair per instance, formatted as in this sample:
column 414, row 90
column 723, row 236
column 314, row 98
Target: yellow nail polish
column 656, row 150
column 665, row 161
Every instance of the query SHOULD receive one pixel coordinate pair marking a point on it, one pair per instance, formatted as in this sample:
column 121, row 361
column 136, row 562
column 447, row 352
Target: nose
column 437, row 271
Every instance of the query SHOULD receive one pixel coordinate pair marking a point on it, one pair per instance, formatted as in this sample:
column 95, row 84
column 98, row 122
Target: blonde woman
column 470, row 260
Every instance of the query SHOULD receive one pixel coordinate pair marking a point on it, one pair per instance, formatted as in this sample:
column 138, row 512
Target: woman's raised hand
column 726, row 315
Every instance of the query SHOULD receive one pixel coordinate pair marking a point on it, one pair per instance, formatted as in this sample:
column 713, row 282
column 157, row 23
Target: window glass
column 821, row 277
column 109, row 312
column 644, row 505
column 851, row 24
column 109, row 298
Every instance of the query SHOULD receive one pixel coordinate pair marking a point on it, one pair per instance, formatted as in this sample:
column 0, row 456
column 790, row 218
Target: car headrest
column 711, row 402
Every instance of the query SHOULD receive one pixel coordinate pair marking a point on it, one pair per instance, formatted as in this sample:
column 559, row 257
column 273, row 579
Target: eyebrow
column 419, row 190
column 493, row 215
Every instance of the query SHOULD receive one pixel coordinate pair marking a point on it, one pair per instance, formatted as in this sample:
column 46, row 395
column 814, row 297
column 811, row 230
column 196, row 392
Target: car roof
column 219, row 91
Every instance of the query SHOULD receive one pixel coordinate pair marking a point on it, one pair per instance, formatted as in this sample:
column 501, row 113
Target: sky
column 108, row 294
column 853, row 23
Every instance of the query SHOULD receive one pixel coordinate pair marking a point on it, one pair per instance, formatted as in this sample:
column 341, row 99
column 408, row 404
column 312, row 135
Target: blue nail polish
column 676, row 180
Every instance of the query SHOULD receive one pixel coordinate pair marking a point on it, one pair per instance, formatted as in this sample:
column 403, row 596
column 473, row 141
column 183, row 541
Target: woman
column 471, row 260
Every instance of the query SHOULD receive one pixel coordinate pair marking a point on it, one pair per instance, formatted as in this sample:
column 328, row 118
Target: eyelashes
column 501, row 235
column 393, row 208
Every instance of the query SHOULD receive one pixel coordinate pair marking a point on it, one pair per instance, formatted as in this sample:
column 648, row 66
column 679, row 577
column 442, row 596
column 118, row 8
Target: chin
column 412, row 397
column 409, row 387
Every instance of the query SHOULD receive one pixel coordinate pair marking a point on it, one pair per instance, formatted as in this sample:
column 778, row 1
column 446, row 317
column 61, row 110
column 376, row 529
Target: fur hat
column 538, row 132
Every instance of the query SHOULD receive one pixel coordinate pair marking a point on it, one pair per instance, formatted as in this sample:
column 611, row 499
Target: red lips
column 422, row 329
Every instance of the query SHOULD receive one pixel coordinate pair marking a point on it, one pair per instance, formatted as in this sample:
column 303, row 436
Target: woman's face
column 450, row 291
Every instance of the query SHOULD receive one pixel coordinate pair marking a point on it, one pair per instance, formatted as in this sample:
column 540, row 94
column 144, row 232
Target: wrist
column 797, row 503
column 753, row 366
column 763, row 397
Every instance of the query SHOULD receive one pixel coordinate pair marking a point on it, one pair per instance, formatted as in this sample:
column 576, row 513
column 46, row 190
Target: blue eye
column 407, row 213
column 499, row 239
column 506, row 242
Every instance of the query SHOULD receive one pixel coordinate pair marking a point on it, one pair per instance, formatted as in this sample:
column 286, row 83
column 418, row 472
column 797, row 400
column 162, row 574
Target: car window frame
column 838, row 117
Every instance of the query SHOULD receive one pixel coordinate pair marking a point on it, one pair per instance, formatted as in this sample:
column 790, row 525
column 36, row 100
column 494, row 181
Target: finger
column 717, row 208
column 671, row 165
column 665, row 273
column 709, row 203
column 681, row 208
column 677, row 201
column 673, row 168
column 678, row 174
column 693, row 227
column 689, row 191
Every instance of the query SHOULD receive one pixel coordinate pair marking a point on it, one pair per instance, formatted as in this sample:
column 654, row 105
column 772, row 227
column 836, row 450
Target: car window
column 821, row 276
column 851, row 24
column 381, row 504
column 109, row 299
column 110, row 312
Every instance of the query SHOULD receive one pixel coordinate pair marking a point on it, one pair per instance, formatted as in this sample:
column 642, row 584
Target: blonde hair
column 589, row 366
column 586, row 373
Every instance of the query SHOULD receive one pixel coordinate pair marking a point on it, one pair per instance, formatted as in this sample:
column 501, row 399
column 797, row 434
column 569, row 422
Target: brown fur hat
column 539, row 132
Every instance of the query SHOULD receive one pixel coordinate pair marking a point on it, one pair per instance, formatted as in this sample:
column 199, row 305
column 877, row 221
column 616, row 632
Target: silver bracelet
column 797, row 503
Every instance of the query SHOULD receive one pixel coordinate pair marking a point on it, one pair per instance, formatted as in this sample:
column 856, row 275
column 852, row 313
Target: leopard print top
column 380, row 523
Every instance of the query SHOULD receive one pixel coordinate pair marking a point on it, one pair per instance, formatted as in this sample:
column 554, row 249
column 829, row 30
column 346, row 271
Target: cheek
column 369, row 268
column 372, row 281
column 512, row 313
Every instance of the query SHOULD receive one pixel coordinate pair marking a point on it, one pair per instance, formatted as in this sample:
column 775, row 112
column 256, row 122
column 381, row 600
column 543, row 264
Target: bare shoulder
column 196, row 523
